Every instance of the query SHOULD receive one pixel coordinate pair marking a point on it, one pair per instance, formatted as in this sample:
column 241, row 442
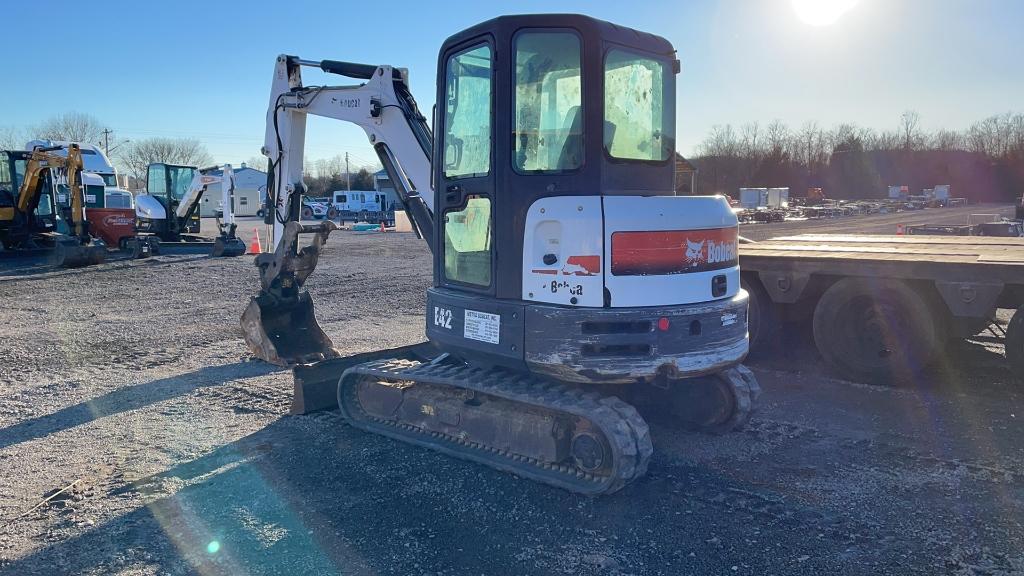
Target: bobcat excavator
column 167, row 214
column 29, row 220
column 566, row 274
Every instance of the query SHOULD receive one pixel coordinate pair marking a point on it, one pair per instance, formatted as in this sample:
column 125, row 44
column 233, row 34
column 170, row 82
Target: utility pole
column 348, row 174
column 106, row 141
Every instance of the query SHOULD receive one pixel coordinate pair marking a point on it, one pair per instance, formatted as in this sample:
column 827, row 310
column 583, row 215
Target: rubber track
column 626, row 432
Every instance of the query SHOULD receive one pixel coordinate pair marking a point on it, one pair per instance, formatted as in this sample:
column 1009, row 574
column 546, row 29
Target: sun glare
column 821, row 12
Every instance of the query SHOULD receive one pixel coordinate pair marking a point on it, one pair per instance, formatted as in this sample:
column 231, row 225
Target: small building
column 250, row 188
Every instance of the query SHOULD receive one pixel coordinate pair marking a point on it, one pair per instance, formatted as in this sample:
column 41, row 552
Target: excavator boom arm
column 382, row 106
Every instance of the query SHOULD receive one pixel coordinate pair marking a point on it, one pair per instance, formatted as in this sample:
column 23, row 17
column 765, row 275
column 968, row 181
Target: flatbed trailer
column 882, row 307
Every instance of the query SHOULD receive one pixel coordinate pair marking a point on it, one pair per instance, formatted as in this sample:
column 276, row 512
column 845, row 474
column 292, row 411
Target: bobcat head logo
column 694, row 252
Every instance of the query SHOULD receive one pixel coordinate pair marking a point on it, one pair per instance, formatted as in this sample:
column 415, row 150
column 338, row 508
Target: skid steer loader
column 566, row 274
column 31, row 219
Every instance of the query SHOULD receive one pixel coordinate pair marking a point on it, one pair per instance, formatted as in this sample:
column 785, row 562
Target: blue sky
column 202, row 69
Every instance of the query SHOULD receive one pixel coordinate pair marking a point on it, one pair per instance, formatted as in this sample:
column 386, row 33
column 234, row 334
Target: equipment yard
column 173, row 454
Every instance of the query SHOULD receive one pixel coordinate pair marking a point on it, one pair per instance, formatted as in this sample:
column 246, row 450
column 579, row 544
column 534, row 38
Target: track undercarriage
column 566, row 435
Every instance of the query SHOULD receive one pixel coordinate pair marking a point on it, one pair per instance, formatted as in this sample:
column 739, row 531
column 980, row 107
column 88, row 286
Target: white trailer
column 751, row 198
column 778, row 198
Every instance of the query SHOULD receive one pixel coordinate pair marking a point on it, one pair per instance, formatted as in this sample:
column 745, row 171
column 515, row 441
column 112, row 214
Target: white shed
column 250, row 186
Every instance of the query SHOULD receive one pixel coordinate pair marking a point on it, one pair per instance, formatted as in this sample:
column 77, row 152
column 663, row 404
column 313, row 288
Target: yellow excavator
column 30, row 217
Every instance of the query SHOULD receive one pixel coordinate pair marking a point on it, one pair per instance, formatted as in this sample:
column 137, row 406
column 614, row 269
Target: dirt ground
column 130, row 383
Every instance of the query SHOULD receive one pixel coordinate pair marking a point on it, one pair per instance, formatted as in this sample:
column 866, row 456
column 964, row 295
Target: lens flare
column 213, row 547
column 821, row 12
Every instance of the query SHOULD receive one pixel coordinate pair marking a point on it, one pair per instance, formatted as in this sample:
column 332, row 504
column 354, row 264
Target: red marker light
column 663, row 324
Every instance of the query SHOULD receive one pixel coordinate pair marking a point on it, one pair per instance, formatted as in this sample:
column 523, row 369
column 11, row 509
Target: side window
column 243, row 201
column 6, row 182
column 467, row 243
column 548, row 133
column 156, row 181
column 636, row 124
column 467, row 119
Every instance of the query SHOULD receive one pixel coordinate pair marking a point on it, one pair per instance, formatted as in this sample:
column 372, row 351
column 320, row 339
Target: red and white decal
column 118, row 220
column 673, row 251
column 575, row 266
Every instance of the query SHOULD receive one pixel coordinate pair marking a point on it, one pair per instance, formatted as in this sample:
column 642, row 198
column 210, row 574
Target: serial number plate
column 482, row 326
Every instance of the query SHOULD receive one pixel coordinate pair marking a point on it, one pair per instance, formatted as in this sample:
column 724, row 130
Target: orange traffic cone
column 900, row 229
column 382, row 228
column 254, row 246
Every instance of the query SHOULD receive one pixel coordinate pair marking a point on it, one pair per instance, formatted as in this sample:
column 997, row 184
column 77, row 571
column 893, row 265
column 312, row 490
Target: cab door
column 465, row 170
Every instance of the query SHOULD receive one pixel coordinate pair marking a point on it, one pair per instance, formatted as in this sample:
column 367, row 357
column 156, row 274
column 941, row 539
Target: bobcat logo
column 694, row 253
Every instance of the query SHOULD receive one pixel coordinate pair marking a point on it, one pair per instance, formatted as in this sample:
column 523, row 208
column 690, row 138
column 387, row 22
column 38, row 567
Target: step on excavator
column 30, row 216
column 168, row 215
column 567, row 277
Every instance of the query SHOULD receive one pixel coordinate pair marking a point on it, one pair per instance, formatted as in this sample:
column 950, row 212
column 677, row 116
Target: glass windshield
column 109, row 179
column 180, row 180
column 636, row 124
column 548, row 133
column 467, row 140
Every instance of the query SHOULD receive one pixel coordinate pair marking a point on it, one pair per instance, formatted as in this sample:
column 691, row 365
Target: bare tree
column 777, row 135
column 135, row 157
column 72, row 127
column 257, row 162
column 11, row 138
column 910, row 130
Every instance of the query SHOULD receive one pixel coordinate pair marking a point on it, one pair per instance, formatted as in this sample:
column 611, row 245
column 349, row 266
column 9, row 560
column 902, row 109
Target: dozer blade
column 71, row 254
column 227, row 247
column 285, row 334
column 316, row 384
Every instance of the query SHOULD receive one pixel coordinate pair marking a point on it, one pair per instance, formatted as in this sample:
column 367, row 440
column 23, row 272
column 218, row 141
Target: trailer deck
column 885, row 304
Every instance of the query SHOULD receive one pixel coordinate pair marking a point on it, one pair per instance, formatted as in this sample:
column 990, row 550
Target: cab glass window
column 467, row 119
column 156, row 180
column 548, row 122
column 636, row 124
column 467, row 243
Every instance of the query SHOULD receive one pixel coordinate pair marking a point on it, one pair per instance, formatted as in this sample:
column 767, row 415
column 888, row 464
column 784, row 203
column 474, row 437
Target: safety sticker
column 481, row 326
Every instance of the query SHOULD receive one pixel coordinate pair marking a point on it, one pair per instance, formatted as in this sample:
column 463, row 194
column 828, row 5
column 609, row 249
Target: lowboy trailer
column 882, row 307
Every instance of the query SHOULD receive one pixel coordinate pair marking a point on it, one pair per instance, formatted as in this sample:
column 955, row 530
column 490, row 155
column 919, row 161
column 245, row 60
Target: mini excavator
column 566, row 272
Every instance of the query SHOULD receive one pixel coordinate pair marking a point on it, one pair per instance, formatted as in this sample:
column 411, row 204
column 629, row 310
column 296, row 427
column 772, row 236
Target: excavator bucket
column 227, row 247
column 69, row 253
column 285, row 334
column 279, row 325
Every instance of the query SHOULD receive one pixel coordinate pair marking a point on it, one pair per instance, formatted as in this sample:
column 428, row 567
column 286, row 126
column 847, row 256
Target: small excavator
column 167, row 216
column 30, row 217
column 567, row 278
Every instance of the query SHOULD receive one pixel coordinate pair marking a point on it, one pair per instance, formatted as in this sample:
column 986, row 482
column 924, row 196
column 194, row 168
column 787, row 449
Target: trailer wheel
column 878, row 331
column 1015, row 343
column 307, row 213
column 763, row 318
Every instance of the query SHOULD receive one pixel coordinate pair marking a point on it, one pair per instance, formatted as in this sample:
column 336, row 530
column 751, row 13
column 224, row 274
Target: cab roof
column 589, row 28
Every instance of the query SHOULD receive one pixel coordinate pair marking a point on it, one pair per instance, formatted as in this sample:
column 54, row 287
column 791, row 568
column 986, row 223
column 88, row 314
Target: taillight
column 673, row 251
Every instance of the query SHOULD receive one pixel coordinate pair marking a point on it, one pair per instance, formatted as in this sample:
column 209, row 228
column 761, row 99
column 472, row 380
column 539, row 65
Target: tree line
column 132, row 157
column 984, row 162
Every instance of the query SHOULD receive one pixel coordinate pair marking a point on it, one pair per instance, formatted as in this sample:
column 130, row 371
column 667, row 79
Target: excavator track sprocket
column 515, row 422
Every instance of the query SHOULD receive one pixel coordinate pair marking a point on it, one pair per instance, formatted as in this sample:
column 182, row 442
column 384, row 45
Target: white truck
column 358, row 206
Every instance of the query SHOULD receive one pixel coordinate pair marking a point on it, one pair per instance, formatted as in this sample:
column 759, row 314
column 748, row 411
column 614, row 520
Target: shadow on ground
column 129, row 398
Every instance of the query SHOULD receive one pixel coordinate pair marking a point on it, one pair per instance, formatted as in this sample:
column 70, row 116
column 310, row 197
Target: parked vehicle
column 358, row 206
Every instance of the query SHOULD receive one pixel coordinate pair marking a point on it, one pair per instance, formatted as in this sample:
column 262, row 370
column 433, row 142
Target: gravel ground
column 130, row 383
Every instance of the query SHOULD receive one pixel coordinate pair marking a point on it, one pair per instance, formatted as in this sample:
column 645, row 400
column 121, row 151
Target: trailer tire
column 1015, row 343
column 879, row 331
column 763, row 318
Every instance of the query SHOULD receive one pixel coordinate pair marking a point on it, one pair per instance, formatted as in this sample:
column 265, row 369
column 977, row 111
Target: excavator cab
column 560, row 246
column 166, row 185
